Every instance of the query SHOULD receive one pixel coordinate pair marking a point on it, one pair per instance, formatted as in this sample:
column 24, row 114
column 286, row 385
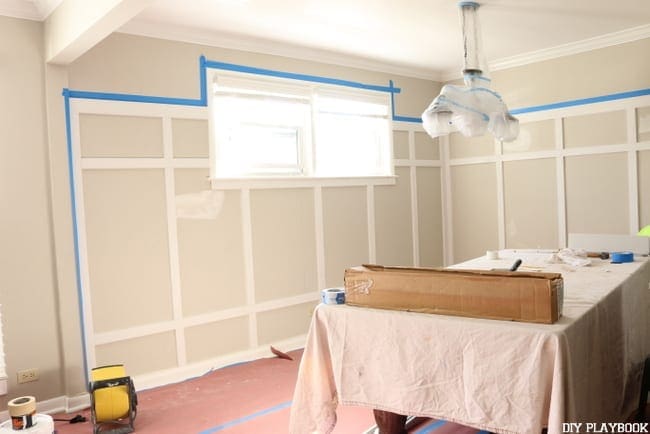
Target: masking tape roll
column 492, row 254
column 332, row 296
column 621, row 257
column 22, row 412
column 43, row 424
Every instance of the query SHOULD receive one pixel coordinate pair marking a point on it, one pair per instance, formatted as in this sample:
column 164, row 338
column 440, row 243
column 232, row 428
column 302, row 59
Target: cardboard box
column 505, row 295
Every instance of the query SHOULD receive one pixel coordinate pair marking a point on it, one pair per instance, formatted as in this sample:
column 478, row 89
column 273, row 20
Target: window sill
column 299, row 182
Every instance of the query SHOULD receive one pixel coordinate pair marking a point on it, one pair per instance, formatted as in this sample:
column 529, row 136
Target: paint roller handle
column 515, row 265
column 601, row 255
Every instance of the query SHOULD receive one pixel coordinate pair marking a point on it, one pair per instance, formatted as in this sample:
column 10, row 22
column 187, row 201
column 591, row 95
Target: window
column 268, row 127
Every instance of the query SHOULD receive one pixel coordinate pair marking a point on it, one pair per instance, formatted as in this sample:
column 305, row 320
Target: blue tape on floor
column 247, row 418
column 430, row 428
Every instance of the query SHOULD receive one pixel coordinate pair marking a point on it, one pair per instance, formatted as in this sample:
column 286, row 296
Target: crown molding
column 257, row 45
column 616, row 38
column 25, row 10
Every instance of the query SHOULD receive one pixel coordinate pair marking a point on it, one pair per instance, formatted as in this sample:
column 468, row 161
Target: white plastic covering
column 474, row 108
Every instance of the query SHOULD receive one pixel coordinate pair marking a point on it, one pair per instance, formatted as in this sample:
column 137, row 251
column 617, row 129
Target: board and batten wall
column 38, row 252
column 580, row 169
column 171, row 296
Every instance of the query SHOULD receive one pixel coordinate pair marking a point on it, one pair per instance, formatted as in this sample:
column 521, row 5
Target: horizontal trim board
column 89, row 163
column 296, row 76
column 125, row 108
column 298, row 182
column 417, row 163
column 128, row 97
column 191, row 321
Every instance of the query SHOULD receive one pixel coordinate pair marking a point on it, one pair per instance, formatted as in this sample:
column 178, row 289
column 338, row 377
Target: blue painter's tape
column 396, row 117
column 247, row 418
column 583, row 101
column 621, row 257
column 430, row 428
column 75, row 227
column 407, row 119
column 301, row 77
column 203, row 81
column 135, row 98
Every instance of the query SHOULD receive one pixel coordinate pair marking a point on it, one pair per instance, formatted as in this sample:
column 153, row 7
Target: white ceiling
column 420, row 38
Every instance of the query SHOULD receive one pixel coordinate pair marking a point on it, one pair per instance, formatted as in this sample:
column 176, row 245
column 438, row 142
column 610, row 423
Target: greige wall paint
column 190, row 138
column 618, row 68
column 283, row 222
column 644, row 187
column 533, row 136
column 210, row 250
column 429, row 216
column 426, row 148
column 596, row 186
column 643, row 124
column 393, row 233
column 274, row 325
column 530, row 198
column 206, row 341
column 28, row 287
column 345, row 231
column 120, row 136
column 597, row 129
column 473, row 200
column 140, row 355
column 134, row 64
column 400, row 144
column 597, row 194
column 284, row 242
column 128, row 259
column 466, row 147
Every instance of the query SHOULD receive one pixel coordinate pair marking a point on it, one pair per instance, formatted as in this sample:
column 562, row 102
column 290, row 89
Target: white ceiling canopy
column 420, row 38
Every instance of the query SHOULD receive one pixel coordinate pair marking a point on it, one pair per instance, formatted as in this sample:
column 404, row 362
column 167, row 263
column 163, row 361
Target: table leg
column 390, row 423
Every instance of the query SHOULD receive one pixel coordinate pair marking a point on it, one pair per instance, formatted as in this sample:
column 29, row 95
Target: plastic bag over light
column 474, row 108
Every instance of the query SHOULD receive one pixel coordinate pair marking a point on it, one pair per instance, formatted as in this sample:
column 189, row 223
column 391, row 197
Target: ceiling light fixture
column 474, row 108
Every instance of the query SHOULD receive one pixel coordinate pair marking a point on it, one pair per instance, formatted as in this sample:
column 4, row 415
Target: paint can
column 42, row 424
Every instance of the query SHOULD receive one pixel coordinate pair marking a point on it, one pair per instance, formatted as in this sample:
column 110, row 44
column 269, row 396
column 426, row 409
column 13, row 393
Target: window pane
column 259, row 135
column 351, row 146
column 261, row 146
column 353, row 107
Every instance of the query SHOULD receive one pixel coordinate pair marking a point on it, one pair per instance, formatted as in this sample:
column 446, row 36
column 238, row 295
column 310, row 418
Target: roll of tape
column 22, row 411
column 621, row 257
column 332, row 296
column 492, row 254
column 43, row 424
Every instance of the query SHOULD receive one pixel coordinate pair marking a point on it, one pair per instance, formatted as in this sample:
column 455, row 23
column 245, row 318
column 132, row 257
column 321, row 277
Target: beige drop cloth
column 505, row 377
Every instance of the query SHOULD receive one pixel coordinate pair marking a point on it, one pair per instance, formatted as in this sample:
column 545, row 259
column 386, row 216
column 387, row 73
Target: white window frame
column 306, row 177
